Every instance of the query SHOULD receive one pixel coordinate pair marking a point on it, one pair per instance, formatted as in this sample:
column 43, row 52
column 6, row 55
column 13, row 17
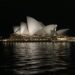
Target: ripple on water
column 37, row 58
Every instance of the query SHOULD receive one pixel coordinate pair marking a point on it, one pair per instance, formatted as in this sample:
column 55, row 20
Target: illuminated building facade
column 36, row 28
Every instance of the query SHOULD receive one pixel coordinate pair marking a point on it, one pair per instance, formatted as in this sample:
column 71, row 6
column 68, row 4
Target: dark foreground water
column 41, row 58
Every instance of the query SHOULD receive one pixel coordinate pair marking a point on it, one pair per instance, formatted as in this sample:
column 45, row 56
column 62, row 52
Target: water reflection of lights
column 30, row 57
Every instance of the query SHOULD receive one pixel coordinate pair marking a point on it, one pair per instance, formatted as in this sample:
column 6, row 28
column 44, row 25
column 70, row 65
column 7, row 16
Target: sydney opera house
column 36, row 30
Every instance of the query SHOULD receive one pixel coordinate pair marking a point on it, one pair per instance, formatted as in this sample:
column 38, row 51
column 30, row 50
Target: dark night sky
column 14, row 12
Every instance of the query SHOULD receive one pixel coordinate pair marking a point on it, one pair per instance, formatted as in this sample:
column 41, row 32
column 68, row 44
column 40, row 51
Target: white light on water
column 30, row 56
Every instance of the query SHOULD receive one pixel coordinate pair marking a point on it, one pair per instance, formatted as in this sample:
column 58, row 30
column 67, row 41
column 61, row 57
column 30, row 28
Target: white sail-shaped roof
column 17, row 30
column 47, row 30
column 33, row 25
column 50, row 28
column 41, row 32
column 23, row 28
column 62, row 31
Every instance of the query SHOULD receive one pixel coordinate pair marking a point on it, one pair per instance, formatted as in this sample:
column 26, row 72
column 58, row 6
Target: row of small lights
column 23, row 39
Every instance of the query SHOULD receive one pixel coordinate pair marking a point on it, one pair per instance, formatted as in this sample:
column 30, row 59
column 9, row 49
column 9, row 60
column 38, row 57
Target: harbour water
column 37, row 58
